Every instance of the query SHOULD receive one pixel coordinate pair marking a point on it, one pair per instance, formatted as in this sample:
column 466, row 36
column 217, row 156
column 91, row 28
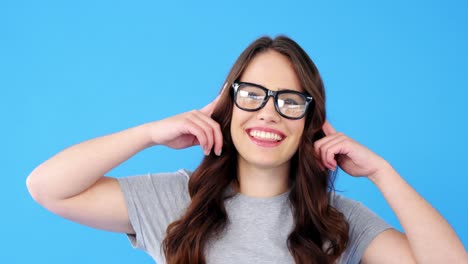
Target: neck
column 262, row 182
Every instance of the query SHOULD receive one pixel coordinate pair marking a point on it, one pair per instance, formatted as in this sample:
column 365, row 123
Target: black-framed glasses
column 253, row 97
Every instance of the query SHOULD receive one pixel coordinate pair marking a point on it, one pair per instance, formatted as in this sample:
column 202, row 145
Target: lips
column 265, row 137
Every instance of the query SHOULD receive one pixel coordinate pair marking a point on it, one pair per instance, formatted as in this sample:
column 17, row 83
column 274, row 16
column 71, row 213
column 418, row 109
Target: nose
column 268, row 112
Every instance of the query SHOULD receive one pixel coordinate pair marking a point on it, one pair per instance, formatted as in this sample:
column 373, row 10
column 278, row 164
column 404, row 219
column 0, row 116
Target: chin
column 264, row 161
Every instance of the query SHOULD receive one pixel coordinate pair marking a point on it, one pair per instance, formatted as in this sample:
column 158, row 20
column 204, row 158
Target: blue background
column 395, row 74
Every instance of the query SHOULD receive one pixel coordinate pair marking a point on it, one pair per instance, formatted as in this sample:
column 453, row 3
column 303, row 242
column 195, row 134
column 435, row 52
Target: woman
column 262, row 194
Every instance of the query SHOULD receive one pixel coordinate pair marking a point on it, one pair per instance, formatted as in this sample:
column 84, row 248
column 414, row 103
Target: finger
column 327, row 151
column 200, row 120
column 333, row 150
column 194, row 129
column 209, row 108
column 217, row 134
column 319, row 143
column 212, row 130
column 317, row 146
column 328, row 129
column 324, row 156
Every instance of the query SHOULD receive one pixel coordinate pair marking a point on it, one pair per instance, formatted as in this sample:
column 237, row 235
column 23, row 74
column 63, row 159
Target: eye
column 290, row 101
column 251, row 92
column 250, row 95
column 292, row 104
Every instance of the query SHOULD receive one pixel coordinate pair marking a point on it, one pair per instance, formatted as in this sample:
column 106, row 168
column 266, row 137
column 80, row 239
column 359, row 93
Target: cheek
column 236, row 128
column 297, row 129
column 238, row 118
column 236, row 121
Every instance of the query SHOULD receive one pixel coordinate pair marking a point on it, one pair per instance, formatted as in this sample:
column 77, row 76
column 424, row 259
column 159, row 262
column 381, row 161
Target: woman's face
column 264, row 138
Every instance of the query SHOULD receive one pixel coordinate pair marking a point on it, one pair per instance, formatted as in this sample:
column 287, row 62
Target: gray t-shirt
column 257, row 228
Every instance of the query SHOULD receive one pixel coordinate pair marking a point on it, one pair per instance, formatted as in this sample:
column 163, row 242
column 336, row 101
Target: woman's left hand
column 355, row 159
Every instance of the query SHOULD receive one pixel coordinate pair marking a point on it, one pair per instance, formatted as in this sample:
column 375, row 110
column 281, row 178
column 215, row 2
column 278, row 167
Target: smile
column 264, row 135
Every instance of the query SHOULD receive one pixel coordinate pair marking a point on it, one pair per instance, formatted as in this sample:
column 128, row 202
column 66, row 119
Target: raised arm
column 72, row 183
column 428, row 237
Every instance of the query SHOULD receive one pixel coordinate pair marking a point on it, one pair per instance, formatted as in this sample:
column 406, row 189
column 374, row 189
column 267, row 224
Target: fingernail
column 220, row 152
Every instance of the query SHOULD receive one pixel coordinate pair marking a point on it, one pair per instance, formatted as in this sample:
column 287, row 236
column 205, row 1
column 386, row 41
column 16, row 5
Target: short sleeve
column 153, row 202
column 364, row 226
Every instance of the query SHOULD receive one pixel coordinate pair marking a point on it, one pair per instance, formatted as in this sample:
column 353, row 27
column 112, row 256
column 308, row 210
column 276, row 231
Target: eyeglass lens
column 289, row 104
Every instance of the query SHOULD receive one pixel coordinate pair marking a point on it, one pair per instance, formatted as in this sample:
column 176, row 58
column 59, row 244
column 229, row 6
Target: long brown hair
column 320, row 233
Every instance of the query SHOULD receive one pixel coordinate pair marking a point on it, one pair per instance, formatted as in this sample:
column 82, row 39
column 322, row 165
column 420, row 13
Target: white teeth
column 265, row 135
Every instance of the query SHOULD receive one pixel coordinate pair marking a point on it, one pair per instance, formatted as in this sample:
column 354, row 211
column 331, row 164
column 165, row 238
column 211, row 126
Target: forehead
column 272, row 70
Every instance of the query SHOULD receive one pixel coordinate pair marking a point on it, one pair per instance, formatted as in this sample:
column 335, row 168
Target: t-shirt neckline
column 252, row 199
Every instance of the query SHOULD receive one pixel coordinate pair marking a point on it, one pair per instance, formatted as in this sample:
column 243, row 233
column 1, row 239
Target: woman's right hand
column 189, row 129
column 83, row 194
